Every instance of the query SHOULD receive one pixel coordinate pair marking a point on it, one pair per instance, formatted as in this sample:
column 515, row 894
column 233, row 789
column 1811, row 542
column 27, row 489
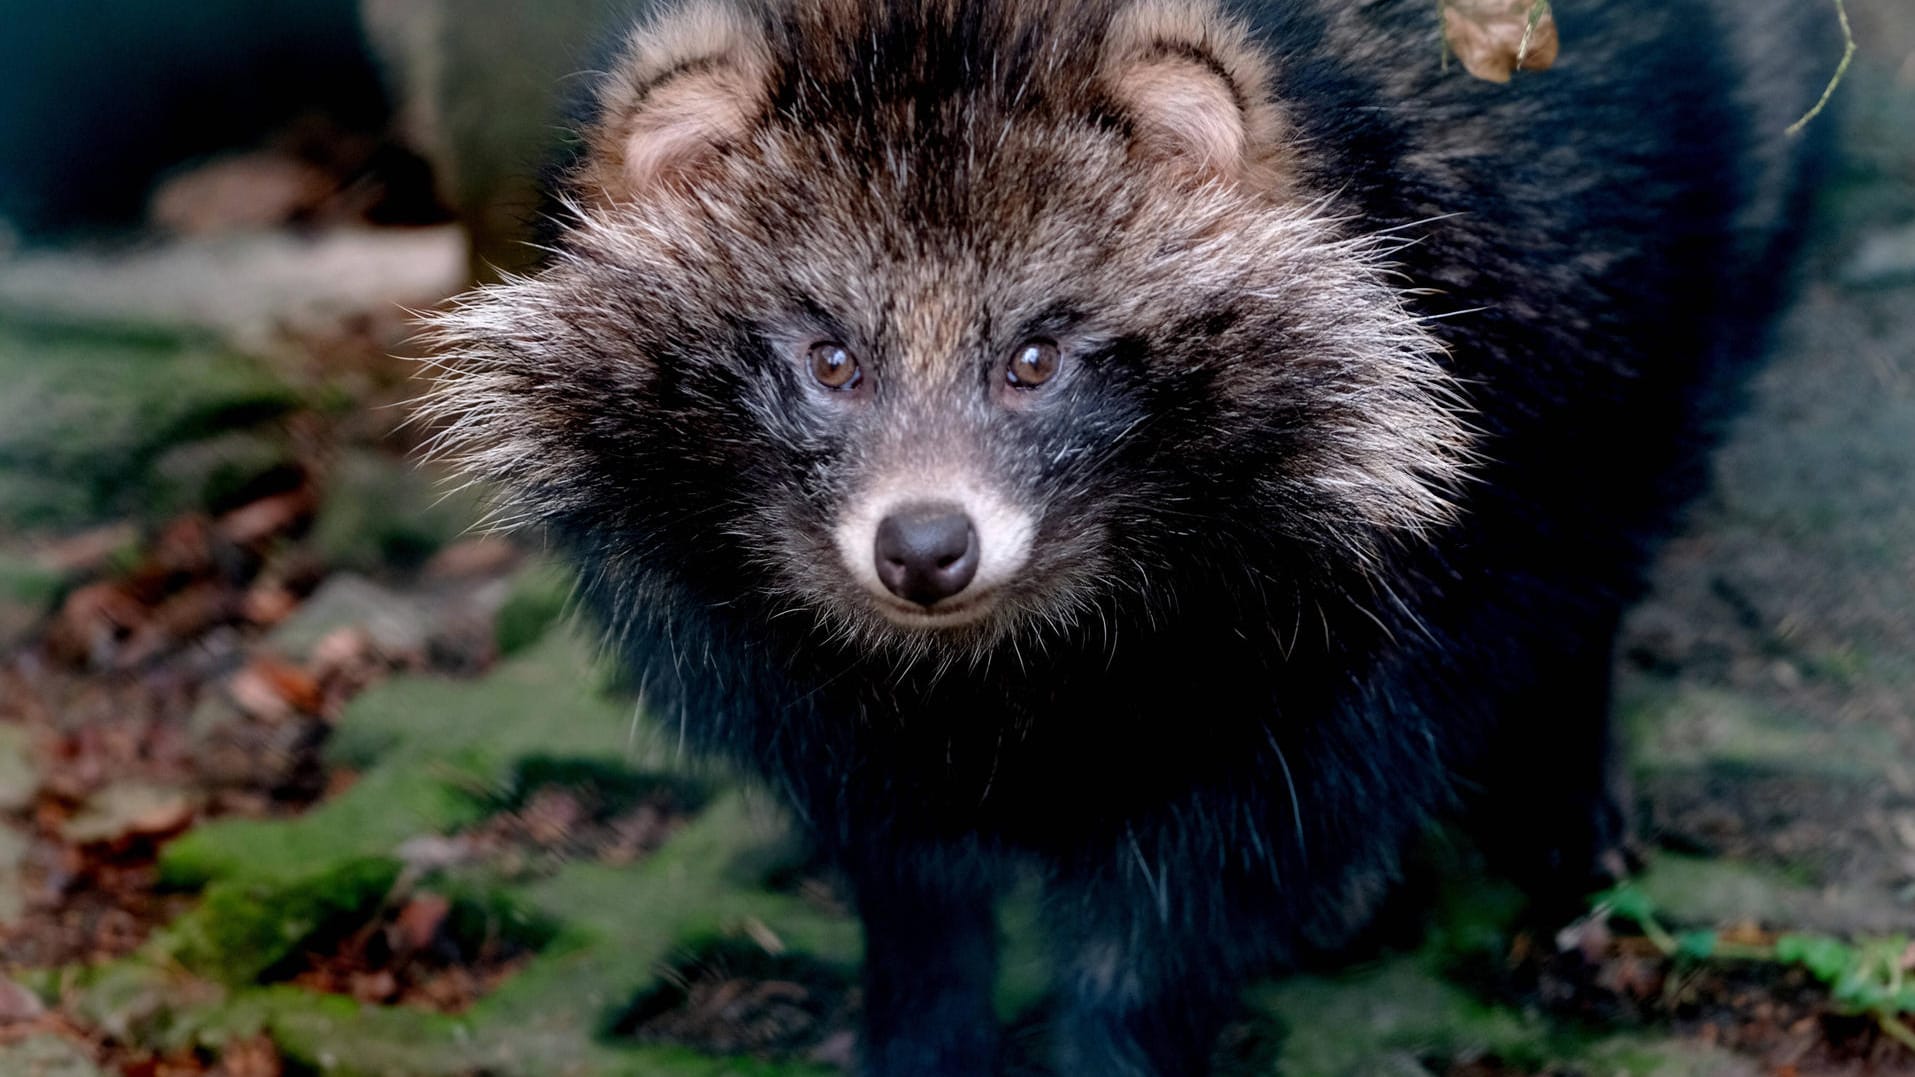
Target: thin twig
column 1897, row 1029
column 1841, row 69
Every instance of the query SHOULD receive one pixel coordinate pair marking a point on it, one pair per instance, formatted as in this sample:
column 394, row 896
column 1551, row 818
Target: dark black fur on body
column 1333, row 532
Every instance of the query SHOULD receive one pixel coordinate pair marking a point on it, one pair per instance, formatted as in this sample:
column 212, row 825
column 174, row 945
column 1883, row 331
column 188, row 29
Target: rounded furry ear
column 1195, row 88
column 686, row 86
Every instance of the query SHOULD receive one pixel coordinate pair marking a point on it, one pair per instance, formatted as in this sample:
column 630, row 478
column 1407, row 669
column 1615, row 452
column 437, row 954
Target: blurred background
column 299, row 774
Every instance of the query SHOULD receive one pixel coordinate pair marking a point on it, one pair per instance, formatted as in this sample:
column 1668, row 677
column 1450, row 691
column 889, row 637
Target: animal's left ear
column 1195, row 89
column 690, row 84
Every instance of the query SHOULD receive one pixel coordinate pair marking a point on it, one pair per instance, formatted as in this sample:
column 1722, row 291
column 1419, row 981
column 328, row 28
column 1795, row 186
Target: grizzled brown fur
column 1359, row 393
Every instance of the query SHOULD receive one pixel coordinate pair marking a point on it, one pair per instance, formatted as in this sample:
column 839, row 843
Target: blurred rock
column 46, row 1055
column 89, row 409
column 481, row 87
column 221, row 471
column 385, row 512
column 19, row 778
column 18, row 1004
column 399, row 625
column 251, row 288
column 241, row 192
column 27, row 590
column 14, row 847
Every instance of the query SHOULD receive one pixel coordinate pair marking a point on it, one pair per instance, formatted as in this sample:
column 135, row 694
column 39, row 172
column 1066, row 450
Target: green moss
column 539, row 598
column 373, row 818
column 46, row 1055
column 244, row 927
column 386, row 512
column 25, row 583
column 1687, row 726
column 139, row 1000
column 679, row 1062
column 436, row 756
column 1335, row 1026
column 606, row 783
column 88, row 410
column 483, row 913
column 1704, row 892
column 224, row 471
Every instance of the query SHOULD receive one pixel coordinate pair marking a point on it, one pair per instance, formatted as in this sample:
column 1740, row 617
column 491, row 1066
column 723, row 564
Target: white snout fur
column 1004, row 534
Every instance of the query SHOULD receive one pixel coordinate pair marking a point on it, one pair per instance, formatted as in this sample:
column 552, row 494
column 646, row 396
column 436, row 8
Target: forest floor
column 299, row 776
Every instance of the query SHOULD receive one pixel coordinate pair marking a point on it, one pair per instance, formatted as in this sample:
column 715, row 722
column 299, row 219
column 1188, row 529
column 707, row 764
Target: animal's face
column 935, row 333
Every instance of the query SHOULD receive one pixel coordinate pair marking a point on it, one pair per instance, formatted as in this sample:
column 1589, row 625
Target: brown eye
column 834, row 366
column 1034, row 364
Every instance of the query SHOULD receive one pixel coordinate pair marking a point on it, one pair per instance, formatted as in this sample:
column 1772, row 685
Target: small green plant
column 1869, row 977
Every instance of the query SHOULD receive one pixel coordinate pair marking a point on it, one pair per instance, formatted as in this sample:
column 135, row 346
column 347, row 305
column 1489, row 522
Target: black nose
column 927, row 552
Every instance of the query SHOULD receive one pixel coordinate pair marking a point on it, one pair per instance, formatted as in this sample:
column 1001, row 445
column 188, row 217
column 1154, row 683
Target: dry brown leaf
column 181, row 617
column 344, row 653
column 420, row 921
column 271, row 690
column 184, row 547
column 250, row 525
column 92, row 621
column 1496, row 38
column 129, row 810
column 254, row 1056
column 88, row 551
column 474, row 558
column 268, row 604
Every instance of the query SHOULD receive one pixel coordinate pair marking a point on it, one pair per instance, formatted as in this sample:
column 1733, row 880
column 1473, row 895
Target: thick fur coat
column 1311, row 408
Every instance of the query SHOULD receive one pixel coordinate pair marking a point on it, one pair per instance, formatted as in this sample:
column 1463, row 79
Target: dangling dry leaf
column 1495, row 38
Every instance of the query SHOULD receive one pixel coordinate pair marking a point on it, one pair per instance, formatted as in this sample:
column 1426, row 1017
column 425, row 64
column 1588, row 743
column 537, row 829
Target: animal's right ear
column 686, row 87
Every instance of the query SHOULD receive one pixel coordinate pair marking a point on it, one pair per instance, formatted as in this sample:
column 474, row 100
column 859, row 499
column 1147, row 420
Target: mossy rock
column 1382, row 1019
column 435, row 757
column 540, row 597
column 46, row 1056
column 227, row 470
column 244, row 927
column 27, row 591
column 385, row 512
column 482, row 86
column 90, row 409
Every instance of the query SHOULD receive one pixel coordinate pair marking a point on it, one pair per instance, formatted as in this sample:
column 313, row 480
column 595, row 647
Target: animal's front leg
column 1140, row 992
column 929, row 968
column 1548, row 811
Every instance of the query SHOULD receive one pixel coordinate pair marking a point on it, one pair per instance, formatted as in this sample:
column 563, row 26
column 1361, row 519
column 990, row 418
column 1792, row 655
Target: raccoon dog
column 1182, row 450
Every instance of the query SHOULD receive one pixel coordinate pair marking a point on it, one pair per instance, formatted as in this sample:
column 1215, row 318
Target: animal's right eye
column 834, row 366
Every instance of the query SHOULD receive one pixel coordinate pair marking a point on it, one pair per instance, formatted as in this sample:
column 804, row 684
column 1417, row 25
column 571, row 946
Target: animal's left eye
column 1034, row 363
column 834, row 366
